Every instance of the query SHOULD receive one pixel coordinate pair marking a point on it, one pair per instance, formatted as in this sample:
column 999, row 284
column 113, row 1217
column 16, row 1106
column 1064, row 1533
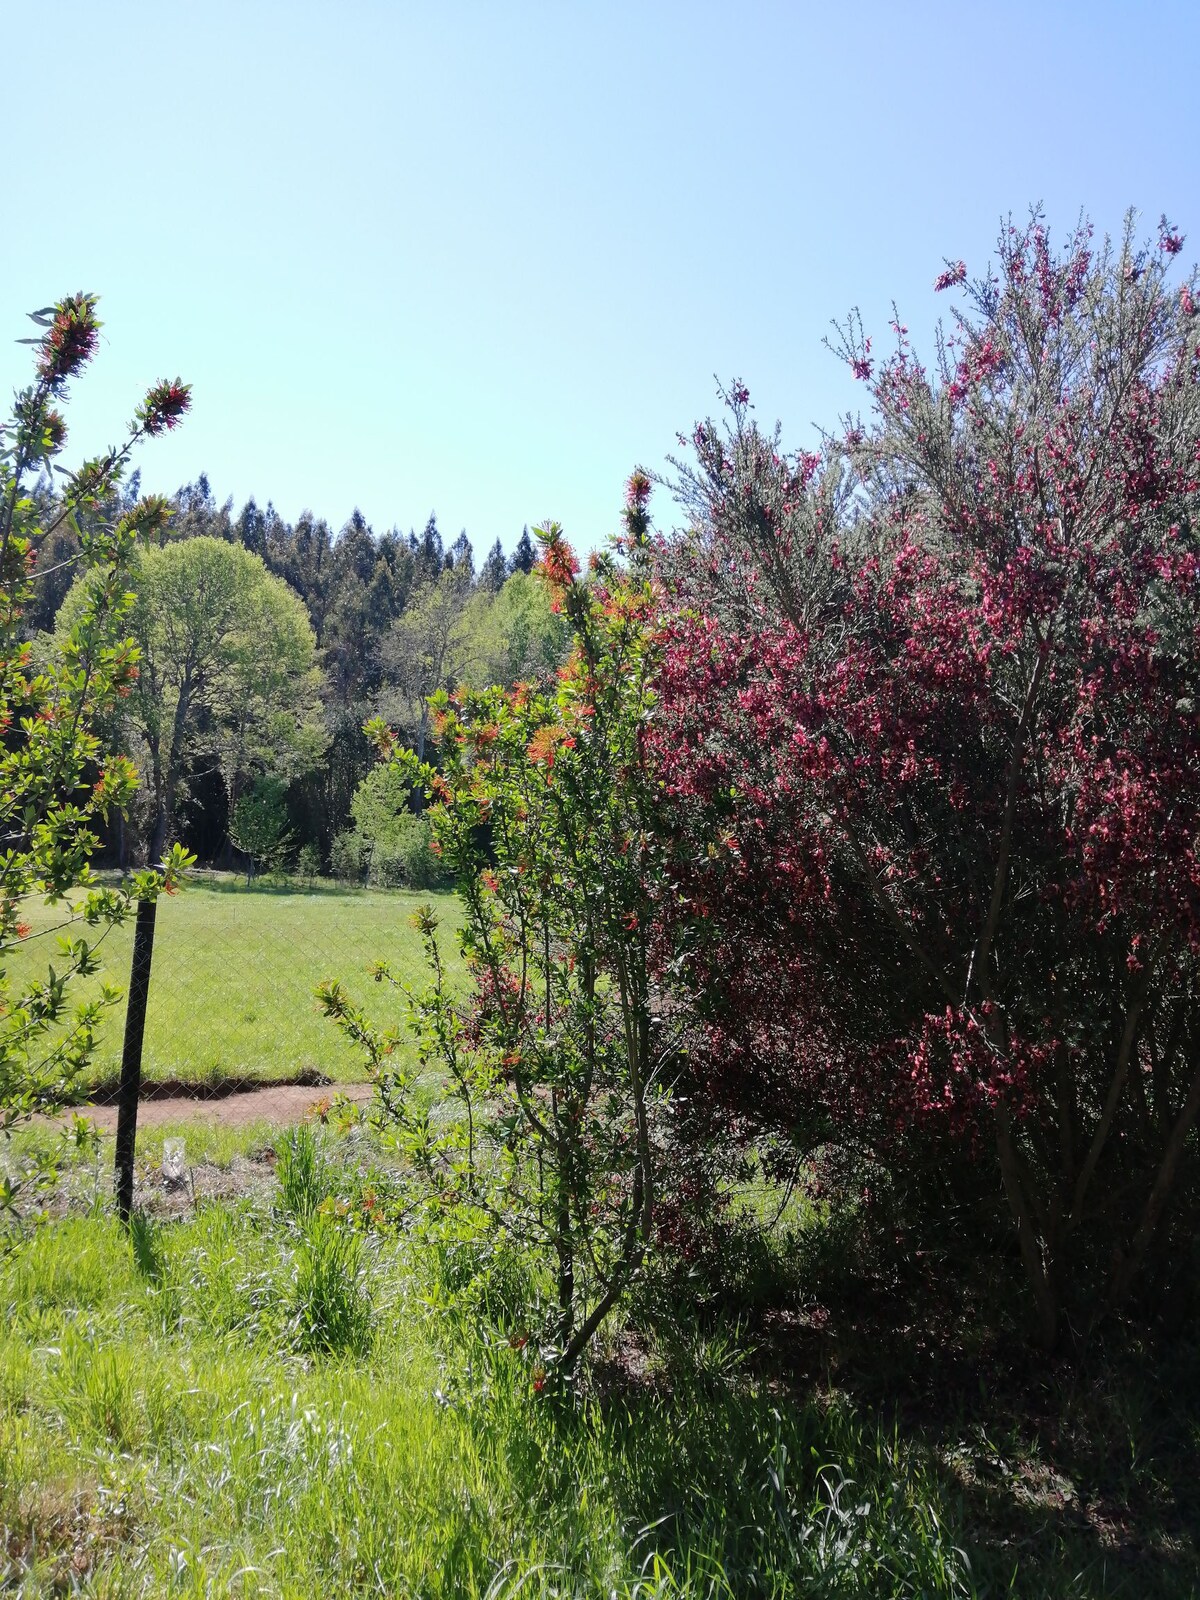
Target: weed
column 306, row 1178
column 330, row 1305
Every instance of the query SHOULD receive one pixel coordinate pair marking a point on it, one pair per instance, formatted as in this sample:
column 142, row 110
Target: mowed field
column 234, row 975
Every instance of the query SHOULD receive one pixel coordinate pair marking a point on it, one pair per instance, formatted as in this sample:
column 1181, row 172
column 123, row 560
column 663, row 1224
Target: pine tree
column 494, row 570
column 524, row 556
column 461, row 556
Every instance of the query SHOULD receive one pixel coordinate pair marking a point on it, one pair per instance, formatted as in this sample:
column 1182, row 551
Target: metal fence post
column 131, row 1055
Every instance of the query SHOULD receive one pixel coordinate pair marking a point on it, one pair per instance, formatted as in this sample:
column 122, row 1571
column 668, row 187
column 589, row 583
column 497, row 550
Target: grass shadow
column 1059, row 1476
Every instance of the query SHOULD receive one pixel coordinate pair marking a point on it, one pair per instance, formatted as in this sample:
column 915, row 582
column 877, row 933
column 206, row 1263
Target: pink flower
column 954, row 274
column 1170, row 240
column 637, row 490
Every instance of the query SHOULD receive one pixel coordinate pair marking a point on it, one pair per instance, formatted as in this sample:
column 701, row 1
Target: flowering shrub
column 543, row 811
column 56, row 775
column 928, row 730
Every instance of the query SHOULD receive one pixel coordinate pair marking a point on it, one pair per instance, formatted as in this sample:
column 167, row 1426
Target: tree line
column 265, row 646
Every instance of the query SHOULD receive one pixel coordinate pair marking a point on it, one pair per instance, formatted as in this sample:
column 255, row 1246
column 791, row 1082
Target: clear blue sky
column 482, row 258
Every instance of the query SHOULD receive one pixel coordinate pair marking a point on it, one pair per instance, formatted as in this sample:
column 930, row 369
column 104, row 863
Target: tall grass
column 306, row 1178
column 259, row 1402
column 278, row 1397
column 210, row 1392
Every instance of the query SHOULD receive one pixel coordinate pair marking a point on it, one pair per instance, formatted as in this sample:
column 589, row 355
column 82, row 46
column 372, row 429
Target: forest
column 262, row 767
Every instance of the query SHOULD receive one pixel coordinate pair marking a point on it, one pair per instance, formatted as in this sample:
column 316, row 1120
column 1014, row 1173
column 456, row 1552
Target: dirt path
column 274, row 1102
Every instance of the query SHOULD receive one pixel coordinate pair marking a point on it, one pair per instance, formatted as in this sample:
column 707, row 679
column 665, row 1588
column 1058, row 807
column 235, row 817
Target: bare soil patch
column 273, row 1102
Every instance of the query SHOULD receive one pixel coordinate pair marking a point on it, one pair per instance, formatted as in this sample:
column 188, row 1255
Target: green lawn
column 231, row 994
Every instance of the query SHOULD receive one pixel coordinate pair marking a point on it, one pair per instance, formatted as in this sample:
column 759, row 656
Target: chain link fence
column 233, row 1046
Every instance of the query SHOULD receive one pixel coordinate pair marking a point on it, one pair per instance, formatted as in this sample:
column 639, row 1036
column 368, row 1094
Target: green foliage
column 346, row 856
column 394, row 843
column 422, row 652
column 228, row 671
column 406, row 858
column 259, row 825
column 58, row 776
column 381, row 798
column 514, row 635
column 553, row 1068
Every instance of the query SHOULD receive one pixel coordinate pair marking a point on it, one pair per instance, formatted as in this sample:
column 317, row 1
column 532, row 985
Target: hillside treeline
column 268, row 644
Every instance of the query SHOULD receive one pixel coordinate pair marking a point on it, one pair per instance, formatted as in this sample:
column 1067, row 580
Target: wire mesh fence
column 235, row 1046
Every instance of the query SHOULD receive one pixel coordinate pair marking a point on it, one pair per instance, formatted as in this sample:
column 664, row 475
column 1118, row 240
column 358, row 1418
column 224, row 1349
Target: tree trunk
column 1127, row 1266
column 1044, row 1297
column 158, row 838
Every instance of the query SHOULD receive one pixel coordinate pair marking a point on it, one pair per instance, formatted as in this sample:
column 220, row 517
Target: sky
column 482, row 259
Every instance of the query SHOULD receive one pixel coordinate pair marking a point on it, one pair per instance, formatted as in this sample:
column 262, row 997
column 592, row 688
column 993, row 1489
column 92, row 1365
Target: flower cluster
column 70, row 340
column 1170, row 240
column 164, row 406
column 558, row 566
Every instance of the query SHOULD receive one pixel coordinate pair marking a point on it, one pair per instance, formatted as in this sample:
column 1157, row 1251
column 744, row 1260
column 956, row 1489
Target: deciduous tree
column 228, row 676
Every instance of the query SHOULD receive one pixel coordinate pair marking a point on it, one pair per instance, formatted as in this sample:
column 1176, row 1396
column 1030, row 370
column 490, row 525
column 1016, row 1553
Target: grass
column 208, row 1415
column 215, row 1144
column 231, row 993
column 253, row 1398
column 258, row 1401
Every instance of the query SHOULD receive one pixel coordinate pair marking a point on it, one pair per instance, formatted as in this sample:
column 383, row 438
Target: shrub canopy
column 928, row 724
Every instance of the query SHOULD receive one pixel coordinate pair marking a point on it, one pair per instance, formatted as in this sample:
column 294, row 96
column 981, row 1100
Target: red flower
column 544, row 745
column 71, row 339
column 953, row 275
column 558, row 565
column 637, row 490
column 164, row 405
